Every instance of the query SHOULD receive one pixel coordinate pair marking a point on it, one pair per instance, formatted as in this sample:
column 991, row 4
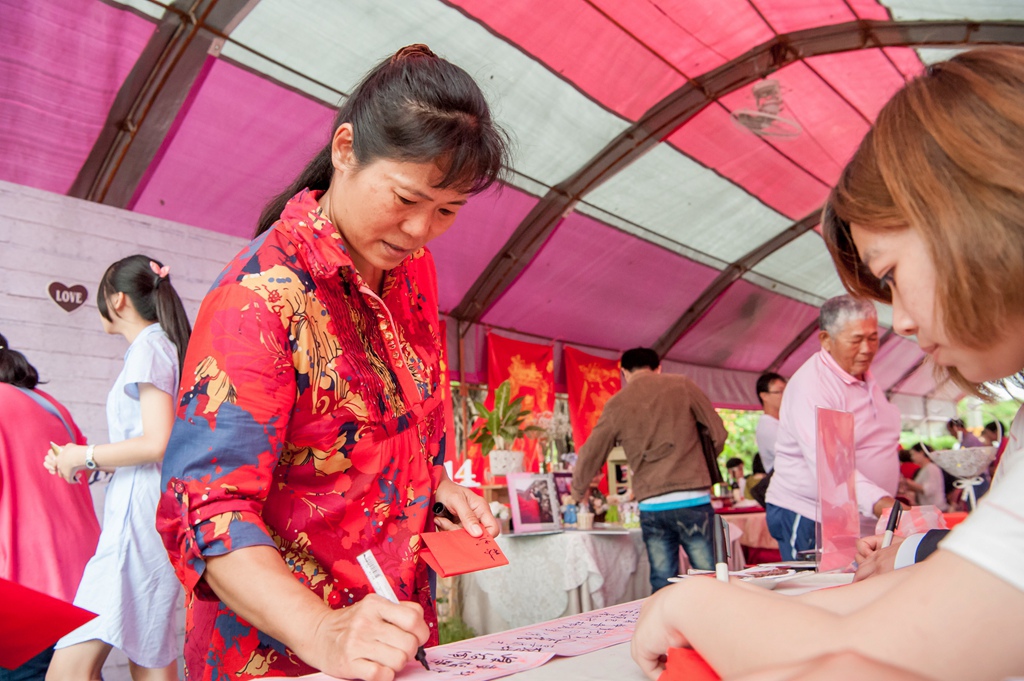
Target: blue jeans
column 665, row 531
column 793, row 532
column 33, row 670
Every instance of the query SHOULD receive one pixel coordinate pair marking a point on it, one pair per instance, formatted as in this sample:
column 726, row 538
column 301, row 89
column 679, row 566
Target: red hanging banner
column 590, row 381
column 531, row 369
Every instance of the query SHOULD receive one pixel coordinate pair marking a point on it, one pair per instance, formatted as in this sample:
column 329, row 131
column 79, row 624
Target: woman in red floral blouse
column 310, row 426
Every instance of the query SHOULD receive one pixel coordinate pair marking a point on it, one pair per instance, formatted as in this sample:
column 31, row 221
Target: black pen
column 721, row 550
column 894, row 521
column 382, row 587
column 441, row 511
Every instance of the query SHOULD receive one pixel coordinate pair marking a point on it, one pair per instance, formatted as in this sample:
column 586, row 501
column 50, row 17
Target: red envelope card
column 686, row 664
column 31, row 622
column 457, row 552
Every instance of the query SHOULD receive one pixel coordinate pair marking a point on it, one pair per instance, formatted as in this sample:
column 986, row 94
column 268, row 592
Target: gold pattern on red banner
column 531, row 368
column 590, row 381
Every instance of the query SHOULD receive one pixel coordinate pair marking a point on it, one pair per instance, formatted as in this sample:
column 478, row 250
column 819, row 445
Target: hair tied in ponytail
column 160, row 272
column 413, row 50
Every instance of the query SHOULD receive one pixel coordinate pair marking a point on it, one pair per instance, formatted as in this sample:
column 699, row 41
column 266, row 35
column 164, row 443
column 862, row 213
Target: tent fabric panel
column 803, row 264
column 907, row 60
column 978, row 10
column 556, row 129
column 242, row 141
column 671, row 195
column 63, row 64
column 865, row 78
column 711, row 138
column 588, row 276
column 921, row 382
column 832, row 129
column 481, row 229
column 786, row 16
column 696, row 36
column 726, row 388
column 800, row 355
column 597, row 56
column 926, row 382
column 893, row 360
column 869, row 9
column 745, row 329
column 147, row 7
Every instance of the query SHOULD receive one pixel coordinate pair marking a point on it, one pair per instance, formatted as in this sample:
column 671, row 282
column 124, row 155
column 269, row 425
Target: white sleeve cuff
column 907, row 552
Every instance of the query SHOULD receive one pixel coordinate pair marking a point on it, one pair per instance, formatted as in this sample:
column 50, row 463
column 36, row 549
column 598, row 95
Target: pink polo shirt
column 820, row 382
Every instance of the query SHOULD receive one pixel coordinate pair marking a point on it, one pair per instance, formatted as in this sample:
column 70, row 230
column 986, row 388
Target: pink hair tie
column 161, row 272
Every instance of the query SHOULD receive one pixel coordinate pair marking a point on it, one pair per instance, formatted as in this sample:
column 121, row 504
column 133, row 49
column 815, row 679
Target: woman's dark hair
column 15, row 369
column 413, row 107
column 146, row 282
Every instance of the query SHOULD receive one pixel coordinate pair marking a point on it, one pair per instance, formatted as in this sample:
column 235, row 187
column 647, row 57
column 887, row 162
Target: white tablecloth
column 555, row 575
column 549, row 576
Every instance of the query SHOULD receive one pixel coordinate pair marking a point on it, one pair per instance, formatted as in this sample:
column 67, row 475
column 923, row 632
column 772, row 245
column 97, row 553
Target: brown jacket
column 654, row 417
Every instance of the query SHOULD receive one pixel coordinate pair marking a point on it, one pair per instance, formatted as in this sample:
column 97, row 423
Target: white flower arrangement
column 500, row 510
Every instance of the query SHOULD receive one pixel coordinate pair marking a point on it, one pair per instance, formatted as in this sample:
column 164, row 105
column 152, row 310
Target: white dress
column 130, row 583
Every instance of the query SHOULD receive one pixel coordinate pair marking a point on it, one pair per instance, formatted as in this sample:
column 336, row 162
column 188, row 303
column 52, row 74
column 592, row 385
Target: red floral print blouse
column 310, row 420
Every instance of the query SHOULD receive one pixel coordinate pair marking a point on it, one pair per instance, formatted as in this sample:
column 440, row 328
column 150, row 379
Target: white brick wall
column 46, row 237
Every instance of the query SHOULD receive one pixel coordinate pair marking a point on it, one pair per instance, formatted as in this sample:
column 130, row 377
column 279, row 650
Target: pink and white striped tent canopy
column 637, row 211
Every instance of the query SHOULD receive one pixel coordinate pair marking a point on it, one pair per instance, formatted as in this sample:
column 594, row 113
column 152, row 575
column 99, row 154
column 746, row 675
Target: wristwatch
column 90, row 463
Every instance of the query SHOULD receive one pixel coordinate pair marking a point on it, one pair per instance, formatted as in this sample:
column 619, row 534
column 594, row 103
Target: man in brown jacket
column 654, row 417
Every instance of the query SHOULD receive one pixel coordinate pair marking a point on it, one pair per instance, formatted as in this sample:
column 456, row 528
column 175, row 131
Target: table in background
column 559, row 574
column 758, row 544
column 553, row 575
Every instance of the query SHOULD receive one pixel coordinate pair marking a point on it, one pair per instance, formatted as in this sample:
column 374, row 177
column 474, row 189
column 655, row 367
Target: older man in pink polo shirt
column 836, row 377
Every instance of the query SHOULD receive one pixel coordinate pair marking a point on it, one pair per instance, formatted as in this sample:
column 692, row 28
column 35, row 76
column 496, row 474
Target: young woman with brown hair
column 938, row 176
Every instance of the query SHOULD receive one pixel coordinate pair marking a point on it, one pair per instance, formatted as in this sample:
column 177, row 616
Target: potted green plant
column 500, row 427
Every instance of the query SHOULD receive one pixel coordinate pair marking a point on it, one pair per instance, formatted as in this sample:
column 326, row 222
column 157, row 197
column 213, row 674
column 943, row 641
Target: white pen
column 721, row 550
column 382, row 587
column 894, row 521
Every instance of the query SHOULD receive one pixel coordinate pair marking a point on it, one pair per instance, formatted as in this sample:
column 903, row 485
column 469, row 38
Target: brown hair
column 945, row 158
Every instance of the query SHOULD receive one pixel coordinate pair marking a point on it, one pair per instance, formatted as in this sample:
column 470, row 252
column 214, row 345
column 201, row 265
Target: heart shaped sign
column 68, row 297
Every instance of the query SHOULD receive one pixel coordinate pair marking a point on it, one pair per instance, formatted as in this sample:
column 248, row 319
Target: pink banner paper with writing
column 838, row 517
column 518, row 650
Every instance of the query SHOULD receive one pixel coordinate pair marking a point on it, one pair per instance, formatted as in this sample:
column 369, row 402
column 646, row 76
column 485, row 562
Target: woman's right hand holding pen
column 873, row 559
column 373, row 639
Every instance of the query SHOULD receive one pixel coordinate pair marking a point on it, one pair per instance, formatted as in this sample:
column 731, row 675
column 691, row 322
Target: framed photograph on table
column 534, row 501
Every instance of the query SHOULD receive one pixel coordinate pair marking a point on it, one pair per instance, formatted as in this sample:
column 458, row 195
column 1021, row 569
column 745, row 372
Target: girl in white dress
column 129, row 583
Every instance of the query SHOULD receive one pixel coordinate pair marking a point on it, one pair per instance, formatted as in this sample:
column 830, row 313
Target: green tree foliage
column 742, row 426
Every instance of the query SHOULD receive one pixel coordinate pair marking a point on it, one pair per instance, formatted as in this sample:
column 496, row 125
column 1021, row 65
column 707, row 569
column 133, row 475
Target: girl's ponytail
column 170, row 313
column 147, row 282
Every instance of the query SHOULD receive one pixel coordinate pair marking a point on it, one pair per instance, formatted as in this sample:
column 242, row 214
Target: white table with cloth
column 559, row 574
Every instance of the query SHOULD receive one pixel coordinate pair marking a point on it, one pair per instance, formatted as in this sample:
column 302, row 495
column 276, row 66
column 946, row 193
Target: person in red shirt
column 311, row 428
